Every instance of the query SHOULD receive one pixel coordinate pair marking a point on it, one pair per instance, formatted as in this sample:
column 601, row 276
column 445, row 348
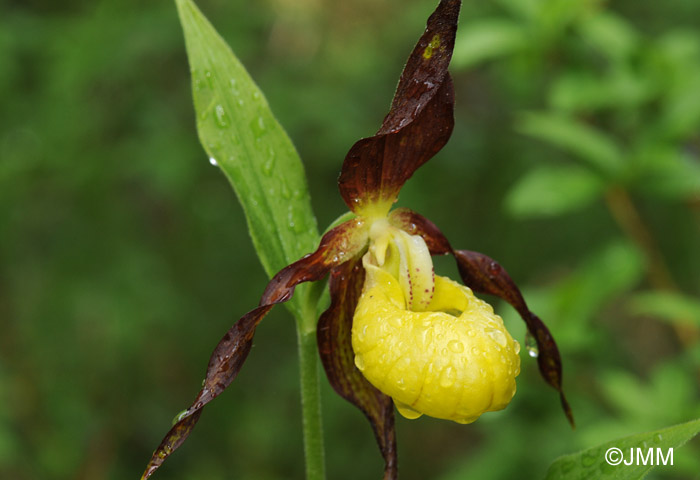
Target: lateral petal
column 338, row 358
column 337, row 246
column 484, row 275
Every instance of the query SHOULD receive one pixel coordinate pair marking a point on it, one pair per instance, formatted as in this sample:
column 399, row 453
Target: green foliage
column 241, row 135
column 121, row 246
column 591, row 463
column 550, row 191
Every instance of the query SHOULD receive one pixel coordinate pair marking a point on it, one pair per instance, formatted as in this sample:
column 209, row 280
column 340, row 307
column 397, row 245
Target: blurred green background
column 124, row 256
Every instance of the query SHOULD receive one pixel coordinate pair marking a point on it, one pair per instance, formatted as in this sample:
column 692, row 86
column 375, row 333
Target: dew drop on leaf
column 213, row 161
column 221, row 118
column 268, row 165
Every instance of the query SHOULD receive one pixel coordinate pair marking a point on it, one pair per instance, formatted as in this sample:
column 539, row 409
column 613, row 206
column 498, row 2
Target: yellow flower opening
column 425, row 340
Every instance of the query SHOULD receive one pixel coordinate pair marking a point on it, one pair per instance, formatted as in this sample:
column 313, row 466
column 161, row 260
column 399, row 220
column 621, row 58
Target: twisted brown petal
column 418, row 124
column 338, row 357
column 484, row 275
column 337, row 246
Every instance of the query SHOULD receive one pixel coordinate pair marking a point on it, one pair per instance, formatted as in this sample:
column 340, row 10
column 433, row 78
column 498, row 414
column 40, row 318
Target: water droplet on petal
column 406, row 410
column 456, row 346
column 447, row 379
column 531, row 345
column 180, row 416
column 359, row 363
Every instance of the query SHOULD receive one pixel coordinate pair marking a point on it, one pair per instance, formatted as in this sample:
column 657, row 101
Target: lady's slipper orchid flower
column 394, row 331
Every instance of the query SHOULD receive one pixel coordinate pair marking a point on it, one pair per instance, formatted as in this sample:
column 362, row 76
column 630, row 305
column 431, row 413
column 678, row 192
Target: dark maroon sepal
column 338, row 245
column 418, row 124
column 484, row 275
column 338, row 358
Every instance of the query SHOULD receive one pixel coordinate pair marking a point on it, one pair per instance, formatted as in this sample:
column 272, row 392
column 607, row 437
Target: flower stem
column 311, row 406
column 310, row 387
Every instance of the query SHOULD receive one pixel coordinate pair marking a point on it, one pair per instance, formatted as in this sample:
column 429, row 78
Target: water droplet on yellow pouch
column 447, row 379
column 456, row 346
column 407, row 411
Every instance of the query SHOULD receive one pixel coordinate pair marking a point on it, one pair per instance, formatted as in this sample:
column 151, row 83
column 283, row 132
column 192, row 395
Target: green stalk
column 312, row 424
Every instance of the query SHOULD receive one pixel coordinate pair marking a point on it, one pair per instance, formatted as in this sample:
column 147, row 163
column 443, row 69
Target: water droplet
column 180, row 416
column 531, row 345
column 447, row 379
column 475, row 351
column 566, row 467
column 213, row 161
column 516, row 346
column 443, row 352
column 483, row 372
column 359, row 363
column 590, row 458
column 456, row 346
column 407, row 411
column 257, row 126
column 285, row 192
column 362, row 334
column 497, row 336
column 256, row 95
column 221, row 117
column 268, row 166
column 658, row 438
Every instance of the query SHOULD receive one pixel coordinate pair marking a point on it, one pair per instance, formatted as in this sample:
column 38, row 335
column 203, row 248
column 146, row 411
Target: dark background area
column 124, row 255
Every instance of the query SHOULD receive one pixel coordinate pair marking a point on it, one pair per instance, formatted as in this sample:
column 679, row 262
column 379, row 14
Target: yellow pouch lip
column 433, row 362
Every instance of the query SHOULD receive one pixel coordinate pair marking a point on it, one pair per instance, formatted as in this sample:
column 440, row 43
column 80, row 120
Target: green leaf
column 585, row 92
column 675, row 308
column 240, row 133
column 486, row 40
column 551, row 191
column 610, row 34
column 590, row 145
column 591, row 463
column 666, row 172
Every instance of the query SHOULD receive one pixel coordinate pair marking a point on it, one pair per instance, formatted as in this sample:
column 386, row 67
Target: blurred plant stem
column 312, row 424
column 630, row 221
